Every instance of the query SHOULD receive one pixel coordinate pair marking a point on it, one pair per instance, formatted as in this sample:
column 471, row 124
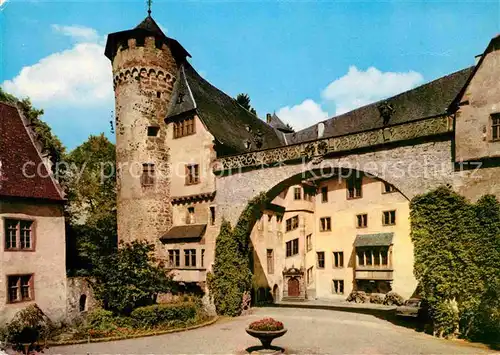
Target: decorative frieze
column 315, row 150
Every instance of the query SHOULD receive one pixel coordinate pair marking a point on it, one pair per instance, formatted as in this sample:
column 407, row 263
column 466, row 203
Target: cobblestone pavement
column 310, row 331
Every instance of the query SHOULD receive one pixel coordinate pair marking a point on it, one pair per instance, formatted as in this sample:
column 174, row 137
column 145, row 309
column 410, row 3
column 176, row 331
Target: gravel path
column 310, row 331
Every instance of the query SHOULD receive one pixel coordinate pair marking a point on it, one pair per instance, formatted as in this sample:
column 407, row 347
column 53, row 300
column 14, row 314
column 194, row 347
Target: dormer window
column 248, row 128
column 248, row 144
column 180, row 98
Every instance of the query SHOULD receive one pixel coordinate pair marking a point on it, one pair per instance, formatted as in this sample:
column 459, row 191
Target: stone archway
column 411, row 169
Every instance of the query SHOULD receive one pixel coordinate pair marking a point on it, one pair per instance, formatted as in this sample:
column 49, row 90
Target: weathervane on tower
column 149, row 7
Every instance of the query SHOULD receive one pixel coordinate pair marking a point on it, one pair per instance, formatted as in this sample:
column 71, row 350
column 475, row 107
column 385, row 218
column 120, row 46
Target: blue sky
column 306, row 60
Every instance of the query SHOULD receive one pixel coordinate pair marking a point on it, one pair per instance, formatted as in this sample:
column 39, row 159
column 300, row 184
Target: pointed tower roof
column 149, row 24
column 147, row 28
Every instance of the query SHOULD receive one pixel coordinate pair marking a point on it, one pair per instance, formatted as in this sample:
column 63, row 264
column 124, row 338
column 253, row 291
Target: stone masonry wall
column 411, row 169
column 143, row 81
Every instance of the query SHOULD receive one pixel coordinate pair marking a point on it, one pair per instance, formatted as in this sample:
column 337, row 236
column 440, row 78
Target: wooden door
column 293, row 287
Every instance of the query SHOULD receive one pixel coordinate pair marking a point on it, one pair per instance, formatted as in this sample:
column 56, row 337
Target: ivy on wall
column 231, row 278
column 457, row 258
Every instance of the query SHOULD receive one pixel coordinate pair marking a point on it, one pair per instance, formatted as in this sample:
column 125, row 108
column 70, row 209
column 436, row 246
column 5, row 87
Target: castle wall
column 143, row 80
column 47, row 262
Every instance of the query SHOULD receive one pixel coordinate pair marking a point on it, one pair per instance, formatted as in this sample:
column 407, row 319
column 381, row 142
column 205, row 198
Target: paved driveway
column 310, row 331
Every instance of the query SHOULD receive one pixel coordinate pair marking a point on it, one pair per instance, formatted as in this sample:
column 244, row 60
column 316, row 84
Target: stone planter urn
column 266, row 336
column 266, row 330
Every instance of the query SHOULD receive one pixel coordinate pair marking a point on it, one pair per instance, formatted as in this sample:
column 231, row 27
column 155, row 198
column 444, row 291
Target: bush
column 27, row 327
column 393, row 299
column 130, row 278
column 160, row 314
column 445, row 318
column 358, row 297
column 376, row 298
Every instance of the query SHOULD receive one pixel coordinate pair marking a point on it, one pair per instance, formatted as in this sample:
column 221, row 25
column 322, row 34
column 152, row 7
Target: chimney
column 268, row 117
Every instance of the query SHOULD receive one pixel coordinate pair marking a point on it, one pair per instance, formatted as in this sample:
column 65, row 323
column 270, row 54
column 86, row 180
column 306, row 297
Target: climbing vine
column 457, row 258
column 231, row 278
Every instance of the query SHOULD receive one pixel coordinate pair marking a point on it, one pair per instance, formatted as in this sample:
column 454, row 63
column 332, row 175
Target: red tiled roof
column 16, row 150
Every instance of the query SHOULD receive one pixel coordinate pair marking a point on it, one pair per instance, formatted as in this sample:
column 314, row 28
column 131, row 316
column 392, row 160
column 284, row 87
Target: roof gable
column 17, row 151
column 230, row 123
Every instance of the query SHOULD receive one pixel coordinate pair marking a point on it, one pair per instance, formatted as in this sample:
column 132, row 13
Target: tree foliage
column 130, row 278
column 457, row 258
column 232, row 276
column 244, row 100
column 50, row 143
column 90, row 185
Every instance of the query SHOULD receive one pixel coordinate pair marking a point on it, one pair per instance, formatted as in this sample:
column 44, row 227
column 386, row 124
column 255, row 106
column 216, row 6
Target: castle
column 188, row 156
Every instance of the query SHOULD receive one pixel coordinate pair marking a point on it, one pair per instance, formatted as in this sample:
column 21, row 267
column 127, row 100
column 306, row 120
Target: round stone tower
column 145, row 64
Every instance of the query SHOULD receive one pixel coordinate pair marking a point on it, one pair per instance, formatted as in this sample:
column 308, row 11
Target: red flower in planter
column 266, row 324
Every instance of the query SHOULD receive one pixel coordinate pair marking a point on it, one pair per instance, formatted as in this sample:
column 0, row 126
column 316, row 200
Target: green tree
column 90, row 186
column 90, row 180
column 244, row 100
column 129, row 278
column 50, row 143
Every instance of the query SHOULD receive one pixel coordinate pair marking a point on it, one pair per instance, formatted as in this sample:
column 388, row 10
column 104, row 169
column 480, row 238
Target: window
column 19, row 235
column 377, row 257
column 190, row 257
column 354, row 187
column 20, row 288
column 362, row 220
column 338, row 259
column 153, row 131
column 309, row 242
column 389, row 218
column 212, row 215
column 190, row 216
column 321, row 259
column 388, row 188
column 184, row 128
column 202, row 257
column 174, row 258
column 192, row 174
column 148, row 174
column 310, row 275
column 324, row 194
column 325, row 224
column 292, row 247
column 292, row 223
column 297, row 193
column 338, row 287
column 158, row 94
column 270, row 261
column 495, row 127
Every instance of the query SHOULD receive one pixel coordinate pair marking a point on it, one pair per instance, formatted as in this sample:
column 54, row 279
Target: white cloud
column 78, row 33
column 358, row 88
column 303, row 115
column 79, row 76
column 355, row 89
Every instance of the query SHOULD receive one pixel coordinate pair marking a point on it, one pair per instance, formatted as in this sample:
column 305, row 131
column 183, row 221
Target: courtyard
column 310, row 331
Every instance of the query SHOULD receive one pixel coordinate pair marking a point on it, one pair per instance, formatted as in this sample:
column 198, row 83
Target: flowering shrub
column 266, row 324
